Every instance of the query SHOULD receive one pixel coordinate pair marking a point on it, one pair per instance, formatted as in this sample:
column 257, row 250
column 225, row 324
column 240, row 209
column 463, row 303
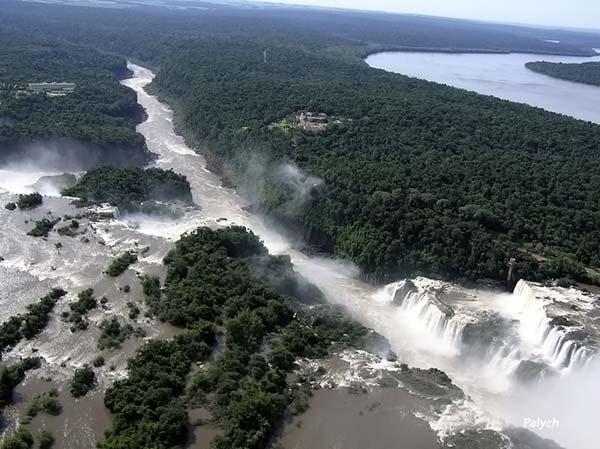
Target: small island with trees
column 585, row 72
column 130, row 189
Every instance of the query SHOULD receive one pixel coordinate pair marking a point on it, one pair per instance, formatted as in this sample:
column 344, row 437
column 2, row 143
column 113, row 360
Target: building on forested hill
column 52, row 88
column 312, row 122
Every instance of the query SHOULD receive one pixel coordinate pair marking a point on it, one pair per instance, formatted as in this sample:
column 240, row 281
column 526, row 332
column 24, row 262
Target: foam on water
column 424, row 307
column 528, row 304
column 424, row 327
column 165, row 227
column 461, row 414
column 420, row 329
column 21, row 179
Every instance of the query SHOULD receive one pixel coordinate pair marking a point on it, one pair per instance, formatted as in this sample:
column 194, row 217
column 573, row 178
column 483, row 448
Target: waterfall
column 557, row 345
column 423, row 304
column 506, row 332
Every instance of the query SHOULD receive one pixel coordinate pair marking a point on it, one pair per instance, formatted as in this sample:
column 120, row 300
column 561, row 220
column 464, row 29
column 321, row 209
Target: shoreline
column 450, row 50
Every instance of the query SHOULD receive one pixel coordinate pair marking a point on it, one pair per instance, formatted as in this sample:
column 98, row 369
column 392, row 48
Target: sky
column 563, row 13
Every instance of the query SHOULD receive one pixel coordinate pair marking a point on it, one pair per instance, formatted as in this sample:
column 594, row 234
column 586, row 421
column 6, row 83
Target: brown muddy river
column 419, row 329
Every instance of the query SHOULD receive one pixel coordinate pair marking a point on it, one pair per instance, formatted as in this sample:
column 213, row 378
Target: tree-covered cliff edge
column 90, row 121
column 409, row 177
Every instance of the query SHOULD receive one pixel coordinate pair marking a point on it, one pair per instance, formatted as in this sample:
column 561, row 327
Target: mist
column 67, row 155
column 300, row 185
column 568, row 404
column 495, row 398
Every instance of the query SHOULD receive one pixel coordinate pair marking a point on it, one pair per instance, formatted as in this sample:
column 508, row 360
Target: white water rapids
column 480, row 338
column 421, row 332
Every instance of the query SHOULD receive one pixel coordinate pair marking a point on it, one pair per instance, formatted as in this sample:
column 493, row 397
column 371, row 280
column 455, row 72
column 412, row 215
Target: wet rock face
column 391, row 356
column 403, row 291
column 74, row 155
column 163, row 209
column 102, row 212
column 444, row 308
column 490, row 331
column 430, row 383
column 530, row 371
column 562, row 321
column 509, row 438
column 580, row 336
column 429, row 294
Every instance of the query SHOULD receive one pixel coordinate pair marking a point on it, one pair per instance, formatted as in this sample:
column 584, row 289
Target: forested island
column 585, row 72
column 401, row 176
column 130, row 188
column 415, row 177
column 213, row 288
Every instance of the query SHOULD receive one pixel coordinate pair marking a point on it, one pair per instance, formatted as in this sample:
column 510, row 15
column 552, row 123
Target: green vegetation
column 45, row 439
column 46, row 402
column 43, row 227
column 127, row 188
column 114, row 333
column 21, row 439
column 79, row 309
column 146, row 406
column 12, row 375
column 423, row 179
column 586, row 72
column 69, row 230
column 30, row 201
column 419, row 178
column 95, row 122
column 225, row 279
column 84, row 380
column 134, row 310
column 121, row 263
column 10, row 206
column 31, row 323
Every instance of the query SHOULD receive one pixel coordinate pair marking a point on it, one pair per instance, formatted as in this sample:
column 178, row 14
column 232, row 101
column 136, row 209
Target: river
column 418, row 333
column 501, row 75
column 413, row 317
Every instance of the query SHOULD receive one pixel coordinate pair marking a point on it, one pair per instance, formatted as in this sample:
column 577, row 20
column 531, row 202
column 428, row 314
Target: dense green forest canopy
column 127, row 188
column 214, row 286
column 99, row 112
column 418, row 177
column 585, row 72
column 146, row 32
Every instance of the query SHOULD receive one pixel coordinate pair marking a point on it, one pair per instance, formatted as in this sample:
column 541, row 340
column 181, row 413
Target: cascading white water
column 423, row 330
column 556, row 346
column 419, row 300
column 422, row 304
column 424, row 325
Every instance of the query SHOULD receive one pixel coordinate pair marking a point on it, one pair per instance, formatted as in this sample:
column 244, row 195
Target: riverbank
column 411, row 335
column 459, row 50
column 500, row 75
column 91, row 123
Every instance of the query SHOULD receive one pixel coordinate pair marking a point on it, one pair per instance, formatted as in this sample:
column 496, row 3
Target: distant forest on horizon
column 418, row 178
